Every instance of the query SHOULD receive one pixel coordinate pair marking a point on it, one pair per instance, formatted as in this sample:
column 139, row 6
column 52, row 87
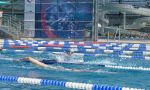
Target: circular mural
column 60, row 19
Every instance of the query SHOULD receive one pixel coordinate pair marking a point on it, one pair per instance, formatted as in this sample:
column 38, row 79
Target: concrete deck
column 125, row 41
column 99, row 40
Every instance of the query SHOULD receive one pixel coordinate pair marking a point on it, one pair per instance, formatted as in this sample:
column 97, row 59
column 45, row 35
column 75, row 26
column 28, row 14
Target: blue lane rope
column 141, row 47
column 113, row 54
column 73, row 85
column 128, row 68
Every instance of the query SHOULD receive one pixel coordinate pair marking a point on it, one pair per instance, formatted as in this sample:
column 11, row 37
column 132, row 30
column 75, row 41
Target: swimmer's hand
column 20, row 60
column 27, row 58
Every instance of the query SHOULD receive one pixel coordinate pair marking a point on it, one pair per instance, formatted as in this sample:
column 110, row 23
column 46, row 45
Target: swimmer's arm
column 36, row 62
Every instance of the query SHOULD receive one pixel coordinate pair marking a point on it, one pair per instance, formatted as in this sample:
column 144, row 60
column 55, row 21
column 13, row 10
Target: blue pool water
column 103, row 76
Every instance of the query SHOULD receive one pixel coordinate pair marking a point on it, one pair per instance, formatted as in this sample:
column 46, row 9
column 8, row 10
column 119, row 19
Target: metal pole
column 116, row 34
column 9, row 25
column 119, row 35
column 107, row 36
column 124, row 24
column 94, row 18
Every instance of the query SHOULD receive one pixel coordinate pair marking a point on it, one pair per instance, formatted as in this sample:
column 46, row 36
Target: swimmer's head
column 70, row 51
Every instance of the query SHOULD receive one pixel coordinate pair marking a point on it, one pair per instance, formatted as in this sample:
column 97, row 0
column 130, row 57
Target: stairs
column 12, row 27
column 5, row 33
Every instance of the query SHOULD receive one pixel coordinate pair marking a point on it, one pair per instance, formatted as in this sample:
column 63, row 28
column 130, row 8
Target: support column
column 124, row 20
column 29, row 18
column 96, row 20
column 119, row 35
column 93, row 26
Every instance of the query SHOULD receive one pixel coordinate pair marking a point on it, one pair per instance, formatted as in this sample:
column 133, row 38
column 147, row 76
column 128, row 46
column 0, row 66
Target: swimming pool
column 102, row 76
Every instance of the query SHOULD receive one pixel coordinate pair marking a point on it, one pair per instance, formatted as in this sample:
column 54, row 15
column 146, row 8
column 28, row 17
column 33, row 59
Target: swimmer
column 42, row 64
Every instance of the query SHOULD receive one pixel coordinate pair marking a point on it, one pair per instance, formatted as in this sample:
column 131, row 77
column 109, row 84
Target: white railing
column 12, row 26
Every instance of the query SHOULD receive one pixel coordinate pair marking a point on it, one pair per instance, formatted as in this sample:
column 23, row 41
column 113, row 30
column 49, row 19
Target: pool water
column 102, row 76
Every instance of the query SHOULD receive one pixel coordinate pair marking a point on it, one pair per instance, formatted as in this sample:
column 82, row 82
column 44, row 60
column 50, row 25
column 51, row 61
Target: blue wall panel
column 63, row 18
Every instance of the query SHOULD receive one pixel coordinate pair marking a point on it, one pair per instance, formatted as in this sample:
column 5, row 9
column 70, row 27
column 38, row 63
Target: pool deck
column 126, row 41
column 99, row 40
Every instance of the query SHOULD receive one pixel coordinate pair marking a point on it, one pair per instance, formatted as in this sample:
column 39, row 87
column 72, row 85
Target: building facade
column 58, row 18
column 62, row 18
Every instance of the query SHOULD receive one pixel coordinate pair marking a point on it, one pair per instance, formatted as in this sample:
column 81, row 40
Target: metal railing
column 12, row 25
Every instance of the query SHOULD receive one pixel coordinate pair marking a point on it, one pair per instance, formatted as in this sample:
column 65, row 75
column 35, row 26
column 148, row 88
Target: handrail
column 12, row 25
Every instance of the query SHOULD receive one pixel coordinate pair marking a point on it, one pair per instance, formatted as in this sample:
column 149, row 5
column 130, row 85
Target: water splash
column 61, row 68
column 73, row 58
column 6, row 58
column 106, row 61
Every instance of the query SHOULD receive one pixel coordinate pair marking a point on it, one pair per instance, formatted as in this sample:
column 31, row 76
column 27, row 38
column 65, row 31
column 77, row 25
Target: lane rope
column 73, row 85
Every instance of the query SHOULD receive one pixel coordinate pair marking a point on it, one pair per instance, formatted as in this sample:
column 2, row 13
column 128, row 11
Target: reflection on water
column 93, row 73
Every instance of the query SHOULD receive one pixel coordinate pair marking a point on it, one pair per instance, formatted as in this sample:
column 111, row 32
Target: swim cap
column 70, row 50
